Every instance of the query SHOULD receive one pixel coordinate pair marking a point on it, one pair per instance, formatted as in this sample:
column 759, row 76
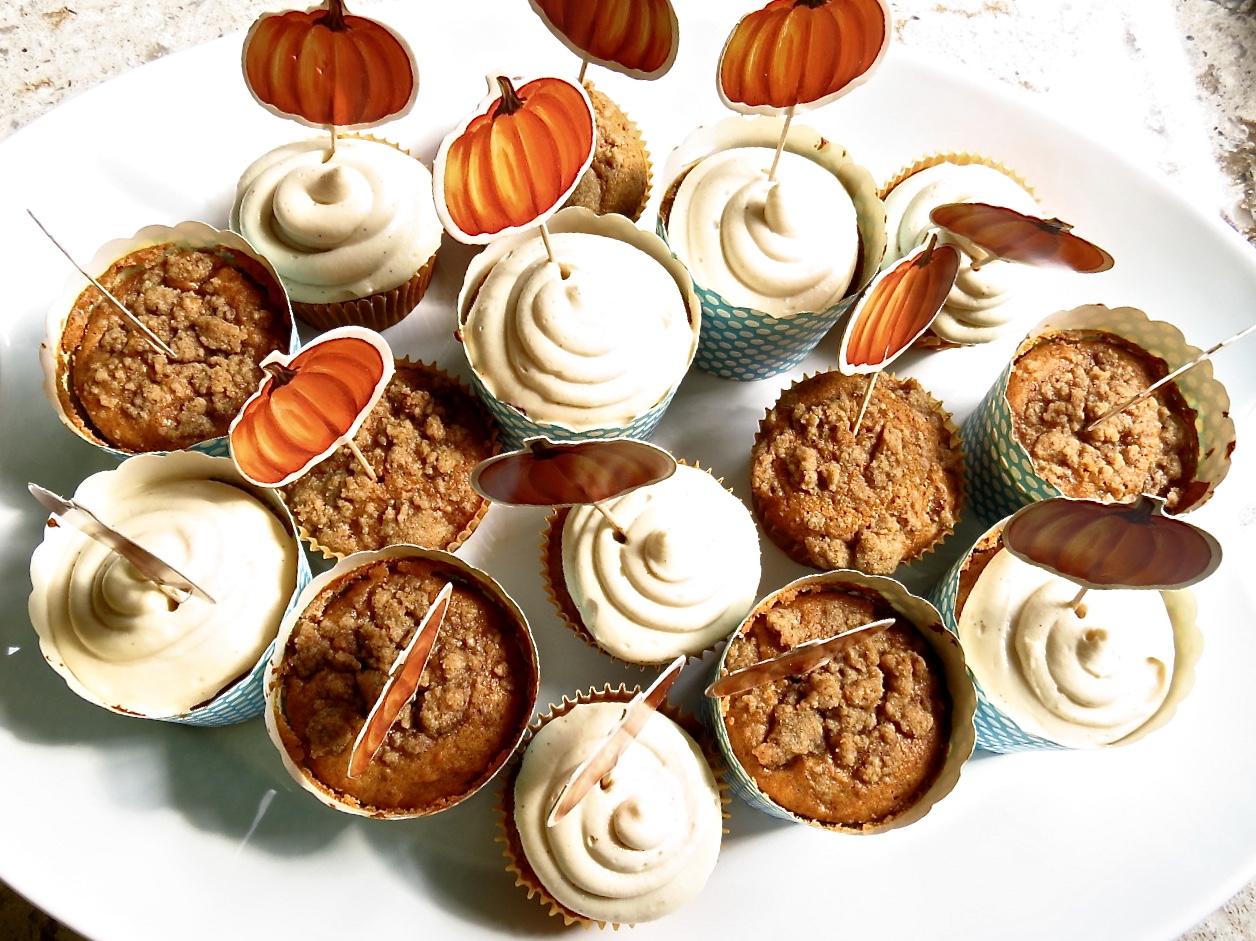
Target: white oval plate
column 134, row 830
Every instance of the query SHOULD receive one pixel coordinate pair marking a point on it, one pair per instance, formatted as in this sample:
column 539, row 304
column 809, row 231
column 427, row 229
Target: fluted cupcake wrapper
column 924, row 617
column 517, row 861
column 997, row 731
column 377, row 312
column 243, row 698
column 192, row 235
column 744, row 344
column 1001, row 474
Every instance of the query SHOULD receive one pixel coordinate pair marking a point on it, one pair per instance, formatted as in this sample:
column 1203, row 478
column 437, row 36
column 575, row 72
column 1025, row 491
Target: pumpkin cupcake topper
column 514, row 161
column 327, row 68
column 1111, row 545
column 309, row 404
column 557, row 474
column 636, row 37
column 1004, row 234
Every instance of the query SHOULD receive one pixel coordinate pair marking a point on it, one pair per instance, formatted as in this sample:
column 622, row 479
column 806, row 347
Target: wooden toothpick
column 780, row 144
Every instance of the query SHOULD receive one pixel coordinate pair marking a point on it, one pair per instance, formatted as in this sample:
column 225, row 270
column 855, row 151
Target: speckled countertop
column 1184, row 61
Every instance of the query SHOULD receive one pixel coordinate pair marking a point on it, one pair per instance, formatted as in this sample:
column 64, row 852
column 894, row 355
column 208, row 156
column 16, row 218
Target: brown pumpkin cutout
column 550, row 473
column 309, row 404
column 637, row 37
column 1112, row 545
column 515, row 161
column 1012, row 236
column 327, row 68
column 898, row 307
column 800, row 54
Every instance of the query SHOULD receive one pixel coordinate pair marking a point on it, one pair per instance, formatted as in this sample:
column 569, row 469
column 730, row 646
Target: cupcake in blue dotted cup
column 213, row 309
column 1037, row 432
column 126, row 644
column 868, row 741
column 590, row 341
column 779, row 248
column 1051, row 673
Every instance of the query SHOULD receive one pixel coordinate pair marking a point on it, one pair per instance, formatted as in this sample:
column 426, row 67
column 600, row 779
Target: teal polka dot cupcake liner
column 924, row 617
column 1001, row 474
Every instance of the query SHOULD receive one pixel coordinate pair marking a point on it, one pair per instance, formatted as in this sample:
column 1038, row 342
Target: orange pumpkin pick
column 309, row 404
column 795, row 55
column 511, row 164
column 1112, row 545
column 637, row 37
column 327, row 68
column 1012, row 236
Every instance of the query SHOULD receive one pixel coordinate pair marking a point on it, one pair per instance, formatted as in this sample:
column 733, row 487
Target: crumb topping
column 214, row 316
column 472, row 702
column 870, row 501
column 423, row 438
column 854, row 742
column 1061, row 385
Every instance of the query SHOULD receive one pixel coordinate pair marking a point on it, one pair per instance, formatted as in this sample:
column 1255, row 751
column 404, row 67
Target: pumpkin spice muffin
column 423, row 437
column 212, row 307
column 833, row 499
column 1069, row 379
column 618, row 180
column 855, row 742
column 472, row 706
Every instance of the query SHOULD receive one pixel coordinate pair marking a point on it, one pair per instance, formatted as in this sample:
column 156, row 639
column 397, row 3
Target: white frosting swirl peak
column 338, row 227
column 683, row 578
column 1083, row 677
column 638, row 845
column 780, row 245
column 595, row 340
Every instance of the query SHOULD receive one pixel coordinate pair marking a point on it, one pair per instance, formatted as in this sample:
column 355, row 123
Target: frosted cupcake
column 593, row 346
column 831, row 498
column 867, row 742
column 678, row 578
column 638, row 846
column 353, row 235
column 776, row 255
column 333, row 656
column 208, row 297
column 122, row 643
column 984, row 301
column 422, row 439
column 1029, row 438
column 1050, row 674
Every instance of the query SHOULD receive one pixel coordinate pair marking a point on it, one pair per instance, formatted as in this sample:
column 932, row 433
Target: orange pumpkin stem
column 511, row 102
column 334, row 18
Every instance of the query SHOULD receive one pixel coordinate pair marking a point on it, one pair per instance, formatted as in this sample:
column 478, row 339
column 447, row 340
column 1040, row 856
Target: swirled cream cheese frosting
column 683, row 577
column 780, row 244
column 639, row 845
column 596, row 339
column 342, row 227
column 126, row 643
column 1081, row 678
column 977, row 309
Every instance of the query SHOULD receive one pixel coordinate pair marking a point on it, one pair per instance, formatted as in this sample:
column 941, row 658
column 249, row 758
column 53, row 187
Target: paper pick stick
column 402, row 683
column 863, row 407
column 173, row 583
column 796, row 661
column 1150, row 390
column 151, row 338
column 605, row 756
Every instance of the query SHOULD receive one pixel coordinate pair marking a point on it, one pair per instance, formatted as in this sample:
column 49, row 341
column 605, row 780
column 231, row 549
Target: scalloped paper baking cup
column 928, row 623
column 1001, row 474
column 514, row 424
column 517, row 861
column 192, row 235
column 745, row 344
column 473, row 523
column 999, row 732
column 461, row 570
column 240, row 699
